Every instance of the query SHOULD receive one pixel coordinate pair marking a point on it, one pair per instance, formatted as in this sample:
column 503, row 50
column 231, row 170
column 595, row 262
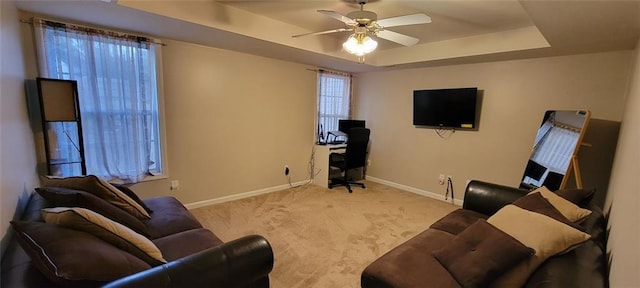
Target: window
column 334, row 97
column 118, row 94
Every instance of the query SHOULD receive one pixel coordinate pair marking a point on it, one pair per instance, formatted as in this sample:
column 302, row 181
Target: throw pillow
column 63, row 197
column 100, row 188
column 74, row 258
column 105, row 229
column 127, row 191
column 545, row 235
column 577, row 196
column 536, row 203
column 481, row 253
column 568, row 209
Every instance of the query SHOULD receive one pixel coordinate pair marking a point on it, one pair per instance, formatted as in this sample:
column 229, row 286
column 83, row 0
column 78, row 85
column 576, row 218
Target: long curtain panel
column 117, row 89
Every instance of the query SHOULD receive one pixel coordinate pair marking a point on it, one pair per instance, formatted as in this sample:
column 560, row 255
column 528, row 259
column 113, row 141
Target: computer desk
column 321, row 162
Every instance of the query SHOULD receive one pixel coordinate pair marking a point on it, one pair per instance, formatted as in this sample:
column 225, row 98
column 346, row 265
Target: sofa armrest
column 237, row 263
column 488, row 198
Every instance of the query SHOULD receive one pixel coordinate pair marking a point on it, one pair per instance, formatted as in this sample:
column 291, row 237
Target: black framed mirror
column 555, row 150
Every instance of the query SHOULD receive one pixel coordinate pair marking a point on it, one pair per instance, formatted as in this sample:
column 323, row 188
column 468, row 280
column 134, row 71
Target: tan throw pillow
column 566, row 208
column 536, row 203
column 545, row 235
column 100, row 188
column 105, row 229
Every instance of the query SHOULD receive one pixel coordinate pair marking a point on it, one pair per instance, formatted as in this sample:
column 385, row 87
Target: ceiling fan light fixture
column 359, row 44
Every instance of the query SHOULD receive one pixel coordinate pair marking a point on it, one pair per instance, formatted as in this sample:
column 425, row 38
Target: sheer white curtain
column 334, row 97
column 117, row 89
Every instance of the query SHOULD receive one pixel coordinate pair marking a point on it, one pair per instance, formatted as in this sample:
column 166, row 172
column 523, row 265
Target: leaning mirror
column 555, row 150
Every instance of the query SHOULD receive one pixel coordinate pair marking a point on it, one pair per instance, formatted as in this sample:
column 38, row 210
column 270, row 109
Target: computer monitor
column 344, row 125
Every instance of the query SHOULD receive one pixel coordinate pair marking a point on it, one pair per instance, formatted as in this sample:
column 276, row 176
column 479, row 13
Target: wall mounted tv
column 446, row 108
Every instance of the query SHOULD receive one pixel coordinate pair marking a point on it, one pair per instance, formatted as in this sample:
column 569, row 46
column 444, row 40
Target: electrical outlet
column 175, row 185
column 441, row 179
column 286, row 170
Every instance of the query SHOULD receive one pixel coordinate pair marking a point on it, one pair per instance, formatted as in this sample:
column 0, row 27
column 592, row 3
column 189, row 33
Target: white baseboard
column 223, row 199
column 414, row 190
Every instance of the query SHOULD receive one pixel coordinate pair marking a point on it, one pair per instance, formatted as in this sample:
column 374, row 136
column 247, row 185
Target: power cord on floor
column 310, row 169
column 449, row 187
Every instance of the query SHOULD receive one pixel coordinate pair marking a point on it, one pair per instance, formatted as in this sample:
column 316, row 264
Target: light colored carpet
column 325, row 237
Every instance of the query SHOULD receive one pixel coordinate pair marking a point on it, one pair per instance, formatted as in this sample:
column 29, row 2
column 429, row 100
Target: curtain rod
column 331, row 72
column 147, row 39
column 567, row 127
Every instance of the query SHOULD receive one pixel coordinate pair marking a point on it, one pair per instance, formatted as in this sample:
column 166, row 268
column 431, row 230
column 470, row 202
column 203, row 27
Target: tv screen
column 445, row 108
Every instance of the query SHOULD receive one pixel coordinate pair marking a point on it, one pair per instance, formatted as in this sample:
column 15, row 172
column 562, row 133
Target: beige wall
column 233, row 121
column 623, row 201
column 515, row 96
column 17, row 169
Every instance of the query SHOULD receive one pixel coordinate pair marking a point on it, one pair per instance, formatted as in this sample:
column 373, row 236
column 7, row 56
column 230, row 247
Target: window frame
column 319, row 95
column 159, row 72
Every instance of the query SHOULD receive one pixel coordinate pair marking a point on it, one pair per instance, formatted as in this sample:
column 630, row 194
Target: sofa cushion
column 411, row 265
column 585, row 266
column 127, row 191
column 568, row 209
column 545, row 235
column 578, row 196
column 596, row 226
column 74, row 258
column 536, row 203
column 100, row 188
column 105, row 229
column 458, row 220
column 480, row 253
column 185, row 243
column 173, row 218
column 64, row 197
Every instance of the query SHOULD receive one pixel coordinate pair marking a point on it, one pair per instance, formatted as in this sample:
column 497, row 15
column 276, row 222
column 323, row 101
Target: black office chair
column 354, row 157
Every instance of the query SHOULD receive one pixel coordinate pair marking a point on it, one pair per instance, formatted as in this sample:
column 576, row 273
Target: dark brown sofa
column 412, row 264
column 195, row 256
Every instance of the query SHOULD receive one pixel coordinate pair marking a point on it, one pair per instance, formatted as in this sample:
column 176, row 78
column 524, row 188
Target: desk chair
column 354, row 157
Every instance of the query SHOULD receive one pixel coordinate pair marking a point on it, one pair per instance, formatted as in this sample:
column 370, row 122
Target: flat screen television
column 445, row 108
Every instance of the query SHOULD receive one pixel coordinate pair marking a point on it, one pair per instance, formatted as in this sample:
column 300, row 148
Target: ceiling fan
column 366, row 23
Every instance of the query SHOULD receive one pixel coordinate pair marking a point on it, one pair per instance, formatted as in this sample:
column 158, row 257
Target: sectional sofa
column 503, row 237
column 79, row 232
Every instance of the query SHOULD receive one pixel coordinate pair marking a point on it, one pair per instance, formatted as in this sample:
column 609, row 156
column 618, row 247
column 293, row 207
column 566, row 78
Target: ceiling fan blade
column 398, row 38
column 323, row 32
column 412, row 19
column 338, row 16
